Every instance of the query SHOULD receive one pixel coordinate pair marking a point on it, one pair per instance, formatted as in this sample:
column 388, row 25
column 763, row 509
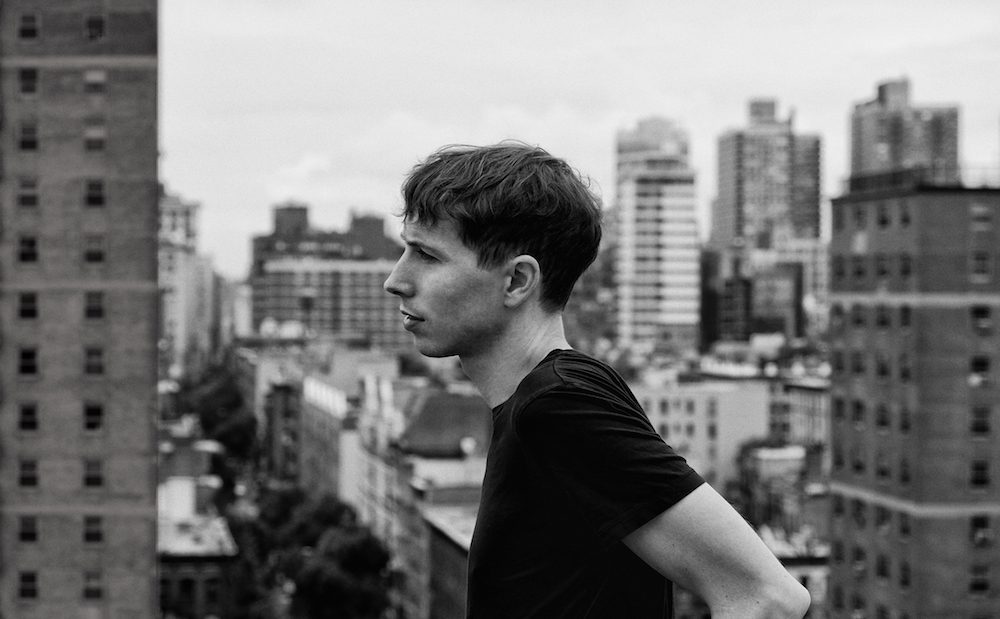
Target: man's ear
column 524, row 279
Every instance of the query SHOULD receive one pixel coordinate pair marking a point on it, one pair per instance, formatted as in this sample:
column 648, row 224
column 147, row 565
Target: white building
column 707, row 421
column 657, row 266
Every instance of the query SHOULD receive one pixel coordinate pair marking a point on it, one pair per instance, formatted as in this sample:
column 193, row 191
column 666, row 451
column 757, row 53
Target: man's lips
column 409, row 319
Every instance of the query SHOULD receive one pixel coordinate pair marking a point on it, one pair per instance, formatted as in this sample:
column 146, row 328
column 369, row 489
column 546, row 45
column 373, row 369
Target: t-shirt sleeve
column 608, row 464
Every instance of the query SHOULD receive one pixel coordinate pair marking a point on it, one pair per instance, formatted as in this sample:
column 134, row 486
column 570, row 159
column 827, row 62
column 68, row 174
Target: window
column 27, row 417
column 93, row 474
column 858, row 267
column 95, row 81
column 904, row 213
column 27, row 28
column 881, row 365
column 28, row 136
column 93, row 416
column 95, row 136
column 904, row 574
column 904, row 471
column 858, row 464
column 881, row 265
column 859, row 216
column 857, row 362
column 979, row 421
column 93, row 360
column 982, row 322
column 881, row 467
column 27, row 585
column 882, row 519
column 904, row 419
column 904, row 524
column 839, row 269
column 93, row 529
column 27, row 474
column 905, row 369
column 93, row 249
column 882, row 567
column 27, row 305
column 27, row 362
column 27, row 530
column 979, row 580
column 27, row 249
column 93, row 27
column 979, row 369
column 858, row 315
column 980, row 217
column 979, row 474
column 93, row 305
column 27, row 191
column 837, row 551
column 838, row 505
column 905, row 316
column 883, row 215
column 882, row 416
column 882, row 316
column 837, row 361
column 905, row 266
column 980, row 265
column 93, row 194
column 858, row 558
column 838, row 409
column 980, row 533
column 27, row 81
column 858, row 413
column 859, row 511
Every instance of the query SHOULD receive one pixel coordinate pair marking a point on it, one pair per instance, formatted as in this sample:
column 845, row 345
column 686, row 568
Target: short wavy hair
column 509, row 199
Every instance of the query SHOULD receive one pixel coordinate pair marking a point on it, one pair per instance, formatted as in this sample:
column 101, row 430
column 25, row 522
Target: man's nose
column 397, row 283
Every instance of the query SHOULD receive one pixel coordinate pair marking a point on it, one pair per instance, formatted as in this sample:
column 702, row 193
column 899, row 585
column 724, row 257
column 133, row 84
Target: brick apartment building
column 915, row 481
column 78, row 308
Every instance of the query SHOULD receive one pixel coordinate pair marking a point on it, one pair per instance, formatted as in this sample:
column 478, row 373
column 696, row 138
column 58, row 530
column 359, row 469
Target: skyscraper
column 768, row 182
column 915, row 433
column 78, row 309
column 888, row 133
column 657, row 261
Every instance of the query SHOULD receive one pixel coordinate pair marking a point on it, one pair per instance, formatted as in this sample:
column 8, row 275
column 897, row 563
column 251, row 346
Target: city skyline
column 331, row 105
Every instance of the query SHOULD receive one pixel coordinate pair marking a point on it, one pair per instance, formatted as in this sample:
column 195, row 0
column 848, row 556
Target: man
column 585, row 511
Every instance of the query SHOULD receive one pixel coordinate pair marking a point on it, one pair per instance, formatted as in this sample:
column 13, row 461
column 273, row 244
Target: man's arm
column 705, row 546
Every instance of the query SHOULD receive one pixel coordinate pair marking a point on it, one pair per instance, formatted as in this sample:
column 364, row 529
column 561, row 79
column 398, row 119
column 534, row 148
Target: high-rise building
column 889, row 133
column 657, row 259
column 78, row 309
column 768, row 182
column 915, row 398
column 327, row 282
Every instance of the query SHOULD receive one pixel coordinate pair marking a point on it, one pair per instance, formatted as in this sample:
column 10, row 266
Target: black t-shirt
column 574, row 466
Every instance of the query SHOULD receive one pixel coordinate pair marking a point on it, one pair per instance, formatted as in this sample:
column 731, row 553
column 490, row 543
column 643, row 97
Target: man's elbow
column 787, row 599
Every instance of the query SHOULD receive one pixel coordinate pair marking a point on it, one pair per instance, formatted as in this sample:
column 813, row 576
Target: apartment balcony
column 925, row 177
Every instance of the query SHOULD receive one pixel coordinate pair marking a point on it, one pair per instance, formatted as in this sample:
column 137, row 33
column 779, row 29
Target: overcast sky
column 331, row 102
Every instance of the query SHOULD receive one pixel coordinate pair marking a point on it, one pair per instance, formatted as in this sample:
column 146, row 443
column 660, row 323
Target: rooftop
column 455, row 522
column 923, row 177
column 194, row 536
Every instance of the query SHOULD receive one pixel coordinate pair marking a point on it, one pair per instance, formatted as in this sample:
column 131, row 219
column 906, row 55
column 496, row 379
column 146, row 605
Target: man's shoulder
column 566, row 373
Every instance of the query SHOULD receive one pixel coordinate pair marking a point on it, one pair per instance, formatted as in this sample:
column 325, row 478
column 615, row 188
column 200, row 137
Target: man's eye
column 423, row 255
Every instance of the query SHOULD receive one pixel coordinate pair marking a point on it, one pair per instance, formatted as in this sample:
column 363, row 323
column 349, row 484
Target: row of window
column 979, row 477
column 94, row 81
column 28, row 475
column 29, row 27
column 29, row 531
column 28, row 588
column 94, row 251
column 29, row 417
column 980, row 527
column 856, row 362
column 95, row 135
column 29, row 305
column 28, row 361
column 883, row 265
column 884, row 317
column 28, row 194
column 883, row 216
column 978, row 583
column 980, row 422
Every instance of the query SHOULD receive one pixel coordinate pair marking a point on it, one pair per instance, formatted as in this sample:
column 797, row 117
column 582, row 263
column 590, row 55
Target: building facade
column 78, row 309
column 768, row 182
column 657, row 258
column 889, row 133
column 915, row 399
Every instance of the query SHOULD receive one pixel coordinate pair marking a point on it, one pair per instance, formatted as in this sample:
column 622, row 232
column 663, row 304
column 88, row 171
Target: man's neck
column 497, row 371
